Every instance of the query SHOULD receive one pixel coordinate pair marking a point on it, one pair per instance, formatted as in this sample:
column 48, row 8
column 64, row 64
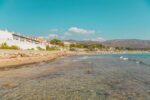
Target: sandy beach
column 16, row 58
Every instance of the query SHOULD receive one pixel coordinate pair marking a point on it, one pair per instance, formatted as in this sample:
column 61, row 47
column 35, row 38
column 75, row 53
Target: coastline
column 54, row 78
column 10, row 59
column 112, row 52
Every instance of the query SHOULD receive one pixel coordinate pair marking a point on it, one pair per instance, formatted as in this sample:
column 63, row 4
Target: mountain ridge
column 128, row 43
column 123, row 43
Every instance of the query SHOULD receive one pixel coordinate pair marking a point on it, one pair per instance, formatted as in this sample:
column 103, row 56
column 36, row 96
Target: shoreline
column 112, row 52
column 12, row 59
column 85, row 77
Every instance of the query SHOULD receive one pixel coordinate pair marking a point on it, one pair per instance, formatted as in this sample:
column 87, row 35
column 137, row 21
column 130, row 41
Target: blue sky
column 77, row 19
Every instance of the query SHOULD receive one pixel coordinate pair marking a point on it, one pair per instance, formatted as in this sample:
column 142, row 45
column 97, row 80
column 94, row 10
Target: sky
column 77, row 19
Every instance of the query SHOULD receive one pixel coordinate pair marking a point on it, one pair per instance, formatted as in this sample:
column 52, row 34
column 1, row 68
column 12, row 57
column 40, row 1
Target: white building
column 23, row 42
column 66, row 43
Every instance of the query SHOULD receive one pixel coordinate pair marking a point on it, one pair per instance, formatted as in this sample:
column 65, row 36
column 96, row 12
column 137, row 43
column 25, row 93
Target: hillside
column 130, row 43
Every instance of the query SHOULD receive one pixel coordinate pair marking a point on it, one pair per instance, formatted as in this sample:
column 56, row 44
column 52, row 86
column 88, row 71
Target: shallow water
column 85, row 77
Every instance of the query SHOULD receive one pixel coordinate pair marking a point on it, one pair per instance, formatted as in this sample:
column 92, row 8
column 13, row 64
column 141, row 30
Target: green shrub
column 14, row 47
column 5, row 46
column 31, row 49
column 51, row 48
column 56, row 42
column 90, row 47
column 39, row 48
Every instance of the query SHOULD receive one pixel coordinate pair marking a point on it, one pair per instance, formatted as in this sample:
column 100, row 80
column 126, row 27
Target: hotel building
column 23, row 42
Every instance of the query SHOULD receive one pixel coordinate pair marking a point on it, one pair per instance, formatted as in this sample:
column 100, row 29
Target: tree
column 56, row 42
column 51, row 48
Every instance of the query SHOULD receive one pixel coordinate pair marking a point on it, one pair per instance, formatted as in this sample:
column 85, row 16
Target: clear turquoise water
column 84, row 77
column 144, row 58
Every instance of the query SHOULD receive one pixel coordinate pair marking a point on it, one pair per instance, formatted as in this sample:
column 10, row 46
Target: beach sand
column 16, row 58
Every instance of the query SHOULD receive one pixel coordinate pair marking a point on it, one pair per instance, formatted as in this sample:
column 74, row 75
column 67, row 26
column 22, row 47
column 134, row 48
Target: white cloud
column 80, row 30
column 53, row 36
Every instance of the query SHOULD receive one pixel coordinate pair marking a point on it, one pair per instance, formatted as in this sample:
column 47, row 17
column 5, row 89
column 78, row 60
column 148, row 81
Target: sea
column 84, row 77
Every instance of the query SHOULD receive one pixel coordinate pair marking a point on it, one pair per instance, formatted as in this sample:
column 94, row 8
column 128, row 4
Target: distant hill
column 83, row 42
column 125, row 43
column 130, row 43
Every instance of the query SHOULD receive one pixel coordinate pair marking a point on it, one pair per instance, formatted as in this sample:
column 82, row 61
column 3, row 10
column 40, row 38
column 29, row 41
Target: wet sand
column 17, row 58
column 77, row 78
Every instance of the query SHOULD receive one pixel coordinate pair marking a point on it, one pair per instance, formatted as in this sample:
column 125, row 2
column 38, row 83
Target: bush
column 39, row 48
column 14, row 47
column 57, row 42
column 51, row 48
column 5, row 46
column 90, row 47
column 72, row 49
column 31, row 49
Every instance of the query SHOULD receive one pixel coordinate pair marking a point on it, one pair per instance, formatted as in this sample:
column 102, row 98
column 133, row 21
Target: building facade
column 23, row 42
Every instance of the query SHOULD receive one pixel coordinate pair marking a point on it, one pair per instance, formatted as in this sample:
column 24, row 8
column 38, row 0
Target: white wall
column 24, row 45
column 6, row 37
